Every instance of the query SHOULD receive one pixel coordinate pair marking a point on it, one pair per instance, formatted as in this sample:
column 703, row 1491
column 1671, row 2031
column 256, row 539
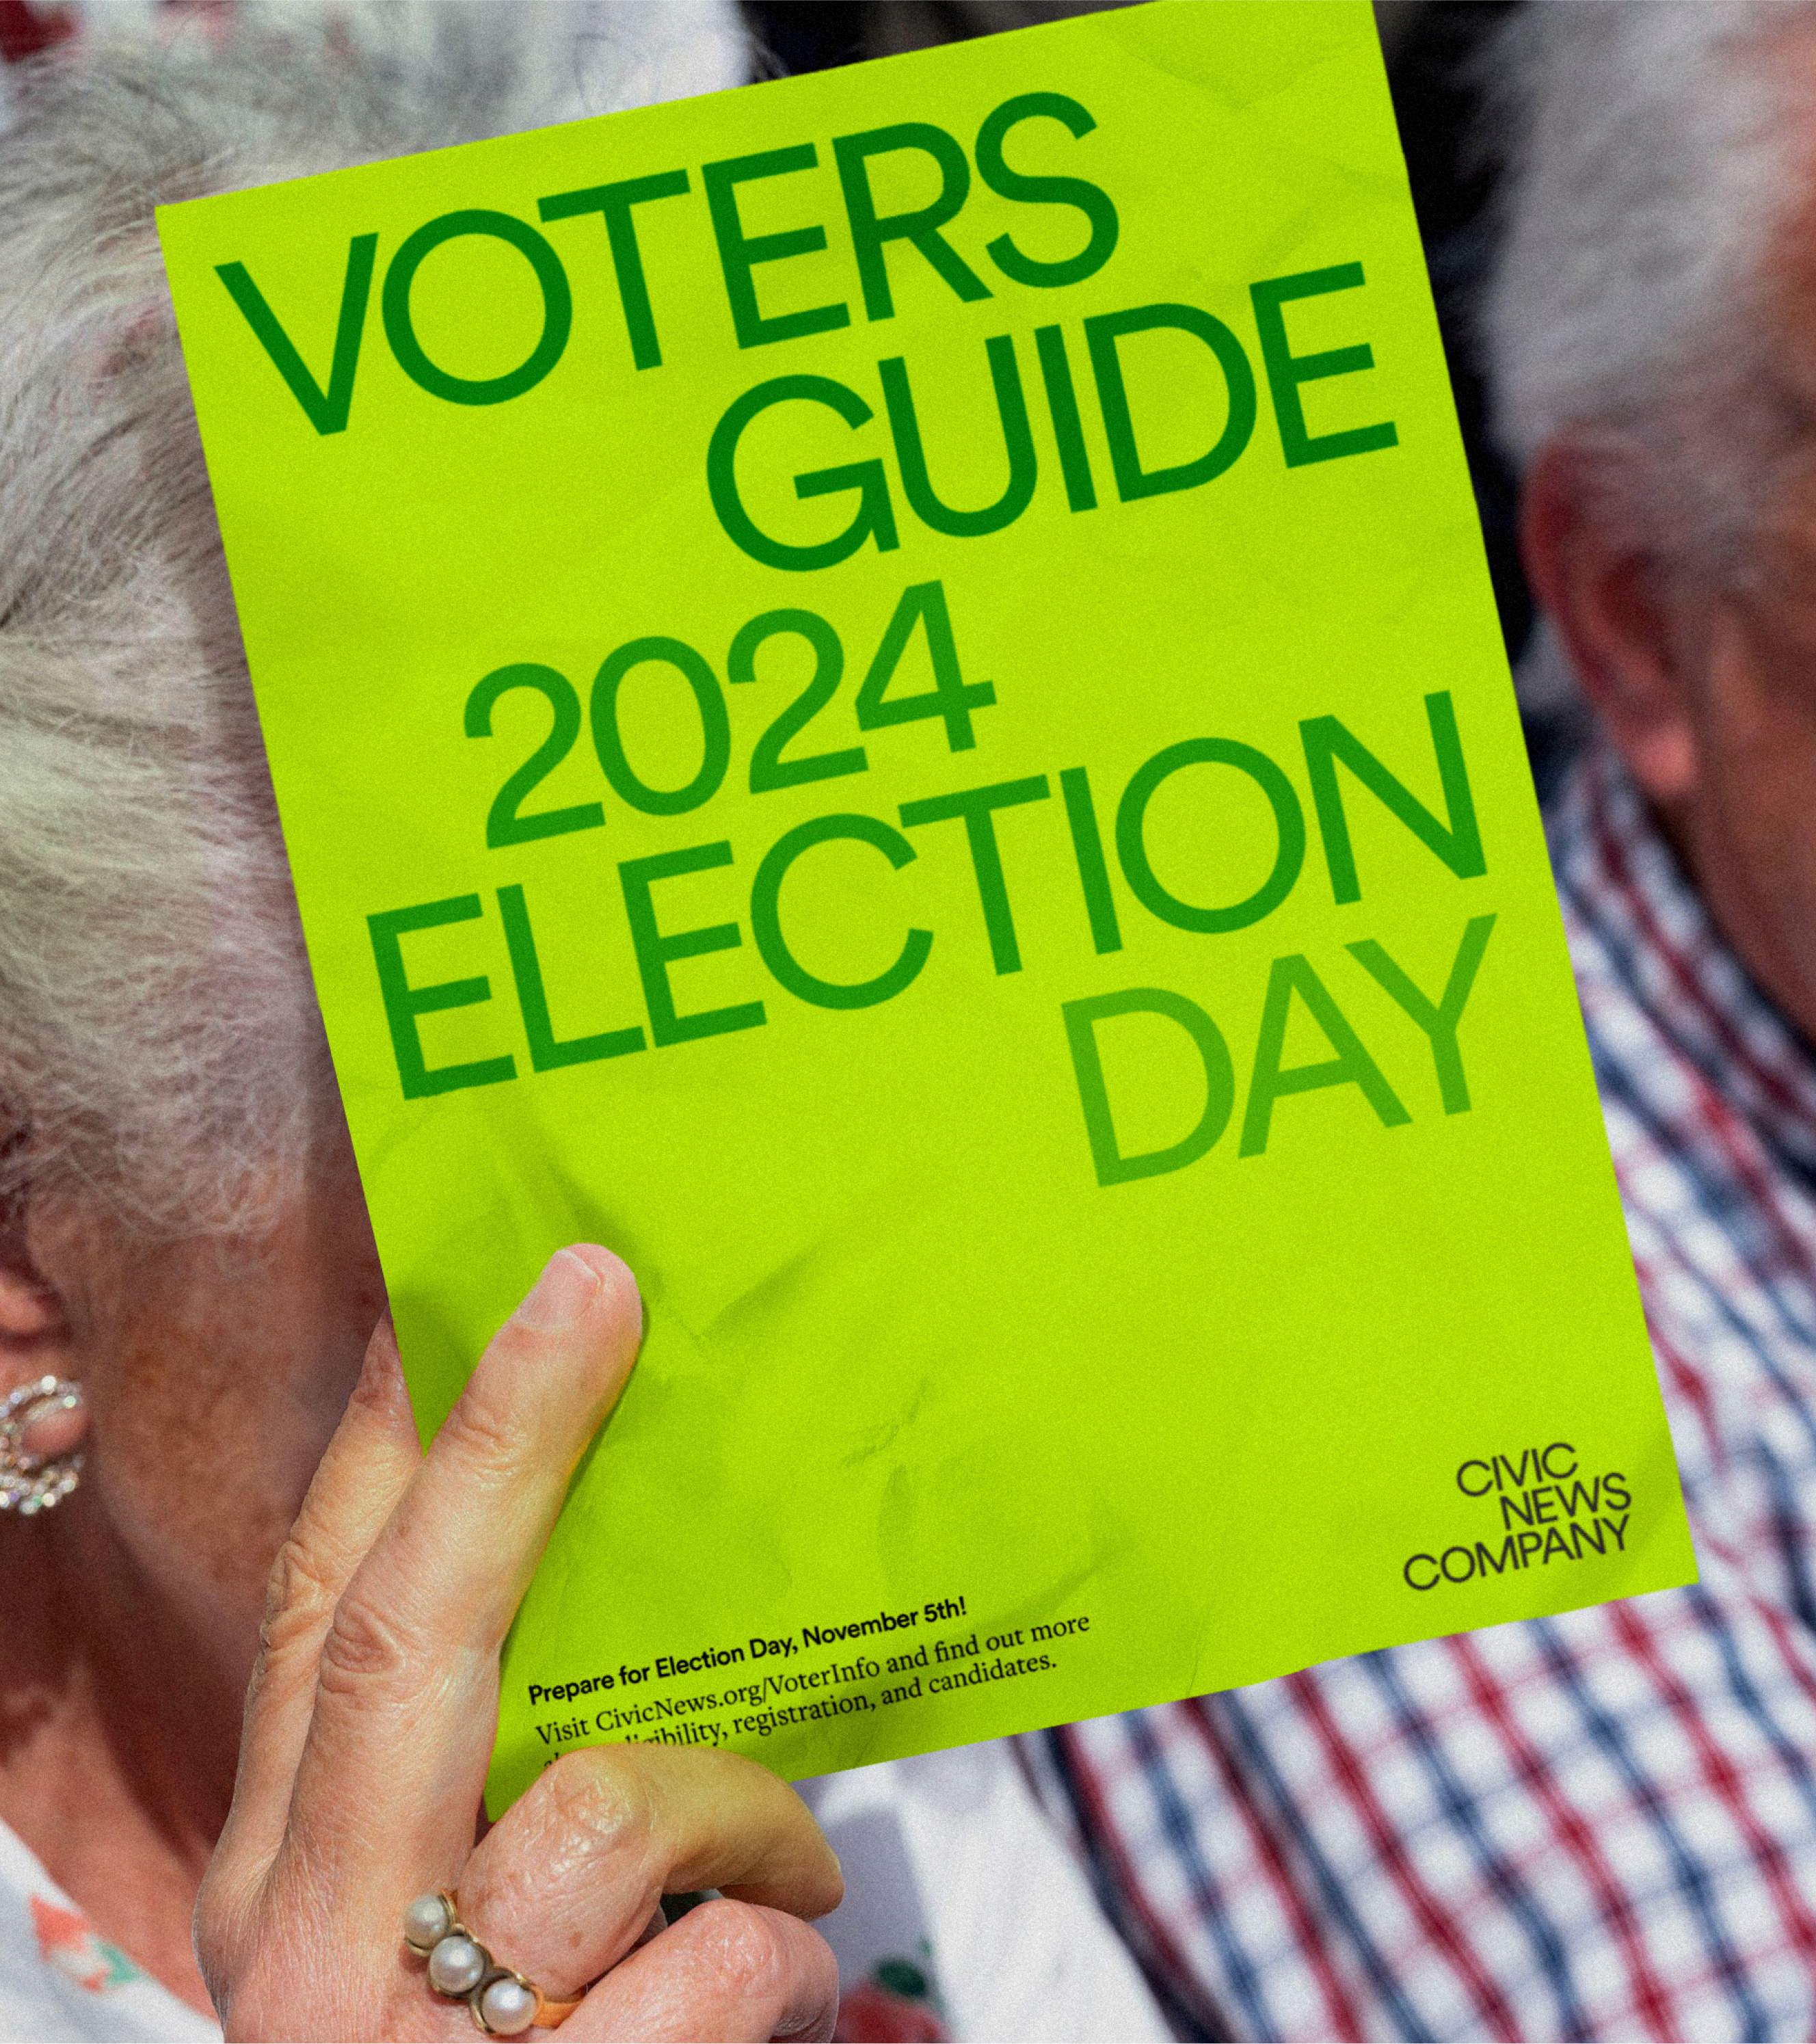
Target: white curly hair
column 160, row 1048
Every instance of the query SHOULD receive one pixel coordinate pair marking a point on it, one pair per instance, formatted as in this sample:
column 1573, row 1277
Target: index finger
column 406, row 1701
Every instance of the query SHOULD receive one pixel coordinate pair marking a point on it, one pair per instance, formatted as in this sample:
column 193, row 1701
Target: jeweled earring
column 40, row 1425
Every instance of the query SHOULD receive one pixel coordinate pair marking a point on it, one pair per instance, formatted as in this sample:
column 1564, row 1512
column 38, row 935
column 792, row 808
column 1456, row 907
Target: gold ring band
column 551, row 2015
column 501, row 2002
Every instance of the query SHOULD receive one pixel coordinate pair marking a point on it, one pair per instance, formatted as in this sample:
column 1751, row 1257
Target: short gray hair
column 1647, row 165
column 160, row 1048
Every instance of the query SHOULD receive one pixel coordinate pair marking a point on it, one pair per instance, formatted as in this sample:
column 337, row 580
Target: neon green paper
column 922, row 1345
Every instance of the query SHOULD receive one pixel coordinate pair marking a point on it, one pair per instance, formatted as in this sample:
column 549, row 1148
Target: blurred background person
column 1603, row 1824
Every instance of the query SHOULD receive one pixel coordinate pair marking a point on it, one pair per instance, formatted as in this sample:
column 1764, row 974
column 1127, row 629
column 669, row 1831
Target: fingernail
column 561, row 1295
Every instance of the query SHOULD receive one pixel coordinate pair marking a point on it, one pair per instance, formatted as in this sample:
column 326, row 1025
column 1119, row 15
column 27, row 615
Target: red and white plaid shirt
column 1602, row 1825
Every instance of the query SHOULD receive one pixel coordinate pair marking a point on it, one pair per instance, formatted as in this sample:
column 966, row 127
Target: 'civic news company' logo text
column 1546, row 1510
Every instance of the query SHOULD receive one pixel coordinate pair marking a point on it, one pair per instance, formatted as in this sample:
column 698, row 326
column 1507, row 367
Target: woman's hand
column 369, row 1723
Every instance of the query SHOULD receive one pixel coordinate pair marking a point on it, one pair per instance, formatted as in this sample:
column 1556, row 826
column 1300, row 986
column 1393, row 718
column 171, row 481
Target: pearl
column 426, row 1922
column 508, row 2008
column 457, row 1965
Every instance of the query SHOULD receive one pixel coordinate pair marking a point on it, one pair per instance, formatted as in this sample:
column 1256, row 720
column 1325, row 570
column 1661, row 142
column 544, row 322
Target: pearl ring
column 503, row 2003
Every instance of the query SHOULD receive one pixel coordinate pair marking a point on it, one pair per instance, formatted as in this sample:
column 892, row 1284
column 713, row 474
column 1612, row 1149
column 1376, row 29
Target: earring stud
column 32, row 1483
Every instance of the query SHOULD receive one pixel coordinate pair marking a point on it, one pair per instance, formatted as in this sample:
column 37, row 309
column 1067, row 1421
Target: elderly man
column 1603, row 1825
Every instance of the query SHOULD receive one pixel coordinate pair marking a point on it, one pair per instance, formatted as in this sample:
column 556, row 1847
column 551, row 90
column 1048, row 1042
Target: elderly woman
column 189, row 1287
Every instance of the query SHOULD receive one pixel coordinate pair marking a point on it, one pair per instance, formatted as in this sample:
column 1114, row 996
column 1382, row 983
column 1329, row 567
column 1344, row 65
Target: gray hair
column 1647, row 164
column 160, row 1049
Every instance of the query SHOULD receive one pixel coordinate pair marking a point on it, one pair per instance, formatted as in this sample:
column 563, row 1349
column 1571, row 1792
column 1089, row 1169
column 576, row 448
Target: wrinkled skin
column 216, row 1375
column 1699, row 659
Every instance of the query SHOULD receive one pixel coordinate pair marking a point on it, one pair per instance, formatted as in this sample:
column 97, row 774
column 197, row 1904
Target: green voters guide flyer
column 884, row 696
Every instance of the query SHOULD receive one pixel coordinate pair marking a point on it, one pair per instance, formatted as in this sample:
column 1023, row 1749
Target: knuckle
column 363, row 1646
column 487, row 1432
column 297, row 1593
column 595, row 1793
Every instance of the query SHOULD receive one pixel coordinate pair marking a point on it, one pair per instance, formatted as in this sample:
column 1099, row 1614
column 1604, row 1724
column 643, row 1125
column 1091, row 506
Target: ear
column 36, row 1339
column 1605, row 585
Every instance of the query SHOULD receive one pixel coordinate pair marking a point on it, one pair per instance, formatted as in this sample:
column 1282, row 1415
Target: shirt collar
column 1637, row 927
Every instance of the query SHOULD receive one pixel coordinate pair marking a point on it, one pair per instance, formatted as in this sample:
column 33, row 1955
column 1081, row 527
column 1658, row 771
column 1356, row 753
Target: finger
column 370, row 1463
column 727, row 1970
column 567, row 1878
column 406, row 1697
